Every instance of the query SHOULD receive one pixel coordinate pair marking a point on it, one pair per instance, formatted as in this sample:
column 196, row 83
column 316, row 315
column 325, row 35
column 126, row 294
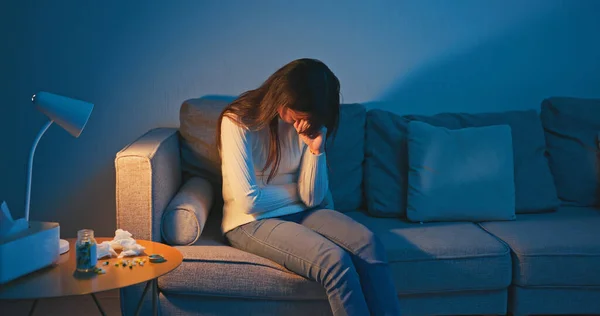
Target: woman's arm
column 313, row 181
column 236, row 161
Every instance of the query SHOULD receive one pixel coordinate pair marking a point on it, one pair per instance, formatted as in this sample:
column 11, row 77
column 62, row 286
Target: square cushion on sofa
column 572, row 126
column 440, row 257
column 553, row 249
column 460, row 175
column 198, row 121
column 386, row 158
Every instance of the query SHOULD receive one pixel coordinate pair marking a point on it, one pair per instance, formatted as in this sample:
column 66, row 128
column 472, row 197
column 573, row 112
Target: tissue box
column 29, row 250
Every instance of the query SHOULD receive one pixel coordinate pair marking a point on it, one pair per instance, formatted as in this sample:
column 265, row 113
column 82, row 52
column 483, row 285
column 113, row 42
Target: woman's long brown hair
column 303, row 85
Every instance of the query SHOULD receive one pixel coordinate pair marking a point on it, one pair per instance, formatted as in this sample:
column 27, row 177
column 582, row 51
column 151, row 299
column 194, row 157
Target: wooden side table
column 62, row 279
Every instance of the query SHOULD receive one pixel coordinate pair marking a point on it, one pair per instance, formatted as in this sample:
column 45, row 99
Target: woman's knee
column 337, row 265
column 369, row 247
column 334, row 257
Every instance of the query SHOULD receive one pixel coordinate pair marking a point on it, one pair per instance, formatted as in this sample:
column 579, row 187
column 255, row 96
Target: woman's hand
column 316, row 145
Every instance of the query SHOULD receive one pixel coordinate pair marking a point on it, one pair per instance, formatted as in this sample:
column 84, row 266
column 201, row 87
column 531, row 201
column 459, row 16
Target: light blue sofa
column 547, row 261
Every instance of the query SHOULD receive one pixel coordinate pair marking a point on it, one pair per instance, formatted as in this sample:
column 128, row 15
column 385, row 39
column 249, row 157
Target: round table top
column 61, row 279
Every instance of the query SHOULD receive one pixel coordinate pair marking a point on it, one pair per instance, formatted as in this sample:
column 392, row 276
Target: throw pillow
column 460, row 175
column 184, row 218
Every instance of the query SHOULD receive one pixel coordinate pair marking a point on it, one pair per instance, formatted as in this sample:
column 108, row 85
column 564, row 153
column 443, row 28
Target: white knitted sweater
column 301, row 181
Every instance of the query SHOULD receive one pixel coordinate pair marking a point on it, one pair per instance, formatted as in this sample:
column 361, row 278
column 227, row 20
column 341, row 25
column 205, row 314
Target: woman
column 275, row 188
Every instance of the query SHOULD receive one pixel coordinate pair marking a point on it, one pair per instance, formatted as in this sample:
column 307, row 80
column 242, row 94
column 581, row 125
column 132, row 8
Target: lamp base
column 63, row 246
column 29, row 250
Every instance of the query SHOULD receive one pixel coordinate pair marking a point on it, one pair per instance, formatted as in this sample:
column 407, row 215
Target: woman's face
column 290, row 116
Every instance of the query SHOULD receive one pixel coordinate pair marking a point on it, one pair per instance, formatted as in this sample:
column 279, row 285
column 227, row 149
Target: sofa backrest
column 198, row 122
column 572, row 127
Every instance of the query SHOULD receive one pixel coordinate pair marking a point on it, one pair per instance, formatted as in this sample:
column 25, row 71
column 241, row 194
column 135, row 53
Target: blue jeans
column 328, row 247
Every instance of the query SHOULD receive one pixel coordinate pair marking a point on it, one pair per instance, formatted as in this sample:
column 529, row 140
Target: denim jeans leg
column 304, row 252
column 368, row 255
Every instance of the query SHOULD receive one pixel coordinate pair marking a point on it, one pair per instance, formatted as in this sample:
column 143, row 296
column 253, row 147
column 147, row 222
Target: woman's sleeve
column 313, row 182
column 236, row 160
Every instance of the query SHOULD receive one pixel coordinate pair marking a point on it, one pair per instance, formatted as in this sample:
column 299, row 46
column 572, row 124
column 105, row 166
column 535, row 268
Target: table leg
column 33, row 307
column 141, row 301
column 154, row 297
column 98, row 304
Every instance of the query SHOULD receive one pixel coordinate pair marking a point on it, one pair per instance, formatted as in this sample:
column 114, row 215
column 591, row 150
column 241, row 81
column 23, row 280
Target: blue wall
column 138, row 60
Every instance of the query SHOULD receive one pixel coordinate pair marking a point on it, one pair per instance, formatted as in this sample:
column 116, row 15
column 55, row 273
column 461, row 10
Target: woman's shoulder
column 233, row 121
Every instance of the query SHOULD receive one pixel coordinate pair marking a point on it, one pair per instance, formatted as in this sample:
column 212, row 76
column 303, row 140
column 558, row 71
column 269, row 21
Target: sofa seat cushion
column 561, row 248
column 211, row 268
column 442, row 256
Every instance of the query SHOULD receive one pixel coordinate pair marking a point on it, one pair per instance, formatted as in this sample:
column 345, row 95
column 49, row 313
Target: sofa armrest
column 148, row 175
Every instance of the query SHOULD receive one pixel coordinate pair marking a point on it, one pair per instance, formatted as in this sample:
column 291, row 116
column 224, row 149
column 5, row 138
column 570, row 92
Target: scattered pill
column 157, row 259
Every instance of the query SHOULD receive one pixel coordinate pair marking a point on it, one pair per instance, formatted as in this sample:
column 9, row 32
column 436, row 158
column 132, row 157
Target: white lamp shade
column 70, row 114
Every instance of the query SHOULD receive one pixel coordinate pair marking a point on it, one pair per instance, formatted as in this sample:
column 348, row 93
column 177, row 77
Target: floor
column 80, row 305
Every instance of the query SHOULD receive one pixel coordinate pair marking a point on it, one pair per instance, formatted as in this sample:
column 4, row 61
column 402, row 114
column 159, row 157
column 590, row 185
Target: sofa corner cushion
column 572, row 128
column 440, row 257
column 460, row 175
column 186, row 214
column 345, row 156
column 197, row 126
column 554, row 249
column 386, row 158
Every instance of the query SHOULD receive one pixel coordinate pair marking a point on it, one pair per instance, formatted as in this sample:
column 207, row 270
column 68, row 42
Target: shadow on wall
column 513, row 71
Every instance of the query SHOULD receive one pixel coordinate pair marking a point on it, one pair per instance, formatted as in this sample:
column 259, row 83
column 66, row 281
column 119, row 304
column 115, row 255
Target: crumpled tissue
column 8, row 226
column 104, row 250
column 122, row 241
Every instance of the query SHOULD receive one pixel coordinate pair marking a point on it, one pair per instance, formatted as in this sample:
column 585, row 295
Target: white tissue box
column 29, row 250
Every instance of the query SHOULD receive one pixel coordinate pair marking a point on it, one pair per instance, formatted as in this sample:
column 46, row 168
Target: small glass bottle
column 86, row 250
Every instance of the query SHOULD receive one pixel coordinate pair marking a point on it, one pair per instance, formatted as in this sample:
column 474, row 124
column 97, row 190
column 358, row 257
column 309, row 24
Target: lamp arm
column 30, row 167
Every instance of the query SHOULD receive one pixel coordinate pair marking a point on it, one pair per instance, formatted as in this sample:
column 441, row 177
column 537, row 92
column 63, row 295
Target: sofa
column 541, row 256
